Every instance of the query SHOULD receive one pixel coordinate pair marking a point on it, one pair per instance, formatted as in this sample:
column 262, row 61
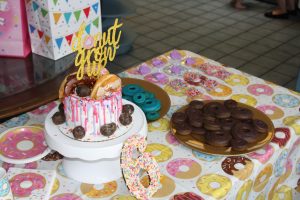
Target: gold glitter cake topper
column 93, row 52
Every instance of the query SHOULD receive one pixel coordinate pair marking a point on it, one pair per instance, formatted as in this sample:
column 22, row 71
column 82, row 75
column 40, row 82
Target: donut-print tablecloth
column 269, row 173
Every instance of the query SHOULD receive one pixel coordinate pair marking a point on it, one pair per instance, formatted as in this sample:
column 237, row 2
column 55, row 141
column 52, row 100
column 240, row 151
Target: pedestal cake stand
column 92, row 162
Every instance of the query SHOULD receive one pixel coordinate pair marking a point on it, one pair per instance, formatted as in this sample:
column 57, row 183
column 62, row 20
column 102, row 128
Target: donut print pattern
column 4, row 187
column 160, row 152
column 99, row 190
column 272, row 111
column 244, row 191
column 215, row 70
column 32, row 165
column 294, row 122
column 229, row 166
column 157, row 78
column 244, row 98
column 177, row 55
column 264, row 154
column 263, row 178
column 17, row 121
column 44, row 109
column 220, row 91
column 237, row 80
column 281, row 136
column 142, row 69
column 183, row 168
column 160, row 125
column 285, row 100
column 187, row 195
column 66, row 196
column 175, row 70
column 260, row 89
column 176, row 87
column 55, row 186
column 159, row 61
column 207, row 185
column 193, row 93
column 280, row 163
column 171, row 139
column 205, row 157
column 37, row 182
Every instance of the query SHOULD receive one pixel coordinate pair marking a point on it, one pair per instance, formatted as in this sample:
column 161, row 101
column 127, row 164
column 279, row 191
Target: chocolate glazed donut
column 218, row 138
column 245, row 131
column 241, row 113
column 228, row 165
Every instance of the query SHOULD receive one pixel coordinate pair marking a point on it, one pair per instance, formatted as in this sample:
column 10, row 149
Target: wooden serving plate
column 201, row 146
column 159, row 93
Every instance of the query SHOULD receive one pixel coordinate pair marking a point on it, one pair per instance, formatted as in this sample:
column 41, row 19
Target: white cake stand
column 92, row 162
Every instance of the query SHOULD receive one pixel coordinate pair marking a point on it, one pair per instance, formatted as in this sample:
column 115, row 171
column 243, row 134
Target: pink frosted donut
column 66, row 196
column 272, row 111
column 9, row 147
column 260, row 89
column 157, row 77
column 37, row 182
column 44, row 109
column 263, row 155
column 32, row 165
column 195, row 94
column 170, row 138
column 215, row 70
column 183, row 168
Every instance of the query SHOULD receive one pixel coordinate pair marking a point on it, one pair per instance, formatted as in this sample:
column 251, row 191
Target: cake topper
column 93, row 52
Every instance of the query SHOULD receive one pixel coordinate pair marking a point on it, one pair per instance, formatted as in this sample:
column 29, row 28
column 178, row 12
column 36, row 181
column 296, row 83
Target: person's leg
column 280, row 12
column 238, row 4
column 291, row 4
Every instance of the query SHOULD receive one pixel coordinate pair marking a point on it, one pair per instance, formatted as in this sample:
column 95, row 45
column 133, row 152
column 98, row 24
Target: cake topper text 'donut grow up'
column 95, row 51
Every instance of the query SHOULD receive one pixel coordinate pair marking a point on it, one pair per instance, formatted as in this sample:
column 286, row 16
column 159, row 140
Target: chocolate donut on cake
column 92, row 106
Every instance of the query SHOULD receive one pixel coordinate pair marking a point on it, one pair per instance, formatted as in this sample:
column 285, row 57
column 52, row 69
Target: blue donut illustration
column 17, row 121
column 286, row 100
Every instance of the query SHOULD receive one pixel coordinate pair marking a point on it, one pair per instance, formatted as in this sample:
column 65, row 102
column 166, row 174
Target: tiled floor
column 242, row 39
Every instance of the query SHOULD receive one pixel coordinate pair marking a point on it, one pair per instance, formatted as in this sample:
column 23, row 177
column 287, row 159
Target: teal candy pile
column 144, row 99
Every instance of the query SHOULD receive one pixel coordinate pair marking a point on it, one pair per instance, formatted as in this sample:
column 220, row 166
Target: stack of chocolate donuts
column 220, row 124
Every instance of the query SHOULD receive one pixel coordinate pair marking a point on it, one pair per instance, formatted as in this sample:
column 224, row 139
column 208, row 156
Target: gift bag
column 14, row 37
column 53, row 24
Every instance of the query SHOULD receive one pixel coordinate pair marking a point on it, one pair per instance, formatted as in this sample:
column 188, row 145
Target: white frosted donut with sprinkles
column 131, row 168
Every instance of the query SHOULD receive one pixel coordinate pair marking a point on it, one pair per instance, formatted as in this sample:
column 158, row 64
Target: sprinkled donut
column 220, row 91
column 4, row 185
column 157, row 78
column 286, row 100
column 205, row 182
column 99, row 191
column 260, row 184
column 160, row 125
column 280, row 163
column 37, row 182
column 195, row 94
column 44, row 109
column 294, row 122
column 176, row 87
column 195, row 78
column 66, row 196
column 205, row 157
column 167, row 186
column 183, row 168
column 236, row 79
column 244, row 191
column 131, row 168
column 17, row 121
column 175, row 70
column 171, row 139
column 10, row 149
column 272, row 111
column 278, row 139
column 260, row 89
column 244, row 98
column 215, row 70
column 264, row 154
column 229, row 166
column 160, row 152
column 32, row 165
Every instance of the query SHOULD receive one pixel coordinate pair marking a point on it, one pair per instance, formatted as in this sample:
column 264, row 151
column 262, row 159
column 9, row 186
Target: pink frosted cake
column 91, row 108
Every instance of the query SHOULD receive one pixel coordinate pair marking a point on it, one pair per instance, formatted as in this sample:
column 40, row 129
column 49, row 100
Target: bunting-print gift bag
column 54, row 23
column 14, row 38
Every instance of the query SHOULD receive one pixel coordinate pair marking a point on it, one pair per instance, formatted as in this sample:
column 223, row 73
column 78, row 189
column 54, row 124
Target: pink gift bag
column 14, row 35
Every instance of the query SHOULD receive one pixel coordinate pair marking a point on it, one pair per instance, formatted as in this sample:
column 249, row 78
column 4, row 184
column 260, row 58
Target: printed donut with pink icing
column 272, row 111
column 171, row 139
column 260, row 89
column 37, row 182
column 264, row 154
column 32, row 165
column 10, row 149
column 66, row 196
column 175, row 166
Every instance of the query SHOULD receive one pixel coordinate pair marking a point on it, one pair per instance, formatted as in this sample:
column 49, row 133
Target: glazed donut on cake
column 260, row 184
column 173, row 168
column 228, row 166
column 205, row 181
column 91, row 190
column 38, row 182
